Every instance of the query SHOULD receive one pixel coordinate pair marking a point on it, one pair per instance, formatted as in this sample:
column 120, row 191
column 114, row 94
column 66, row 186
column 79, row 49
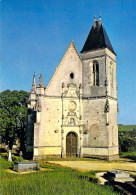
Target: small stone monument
column 24, row 166
column 20, row 155
column 119, row 176
column 9, row 155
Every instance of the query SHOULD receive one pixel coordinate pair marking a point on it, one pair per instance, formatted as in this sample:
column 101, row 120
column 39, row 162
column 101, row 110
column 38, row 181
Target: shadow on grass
column 128, row 155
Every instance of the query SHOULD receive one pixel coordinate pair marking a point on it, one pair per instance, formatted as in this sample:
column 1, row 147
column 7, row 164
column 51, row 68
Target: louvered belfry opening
column 71, row 145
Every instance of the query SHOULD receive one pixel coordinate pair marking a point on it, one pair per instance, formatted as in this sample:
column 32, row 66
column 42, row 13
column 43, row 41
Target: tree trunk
column 11, row 143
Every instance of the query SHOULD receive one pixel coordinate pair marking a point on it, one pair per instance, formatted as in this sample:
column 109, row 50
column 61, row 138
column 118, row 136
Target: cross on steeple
column 94, row 18
column 100, row 16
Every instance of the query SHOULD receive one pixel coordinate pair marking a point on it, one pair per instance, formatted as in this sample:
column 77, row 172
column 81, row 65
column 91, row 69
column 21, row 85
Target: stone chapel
column 76, row 114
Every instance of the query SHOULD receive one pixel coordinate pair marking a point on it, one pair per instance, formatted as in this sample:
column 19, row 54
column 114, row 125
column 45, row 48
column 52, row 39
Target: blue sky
column 36, row 33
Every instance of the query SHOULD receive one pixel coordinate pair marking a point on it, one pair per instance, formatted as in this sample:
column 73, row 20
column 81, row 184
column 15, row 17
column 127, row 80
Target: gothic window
column 95, row 73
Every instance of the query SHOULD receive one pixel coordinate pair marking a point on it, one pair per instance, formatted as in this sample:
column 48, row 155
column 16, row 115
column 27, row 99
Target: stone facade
column 81, row 99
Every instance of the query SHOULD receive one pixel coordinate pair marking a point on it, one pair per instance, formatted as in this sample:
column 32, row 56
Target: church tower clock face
column 72, row 106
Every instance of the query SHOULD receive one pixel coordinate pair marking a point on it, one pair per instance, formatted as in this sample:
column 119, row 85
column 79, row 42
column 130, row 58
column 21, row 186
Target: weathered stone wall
column 53, row 121
column 67, row 106
column 94, row 120
column 112, row 82
column 104, row 58
column 100, row 136
column 70, row 63
column 55, row 117
column 48, row 133
column 113, row 123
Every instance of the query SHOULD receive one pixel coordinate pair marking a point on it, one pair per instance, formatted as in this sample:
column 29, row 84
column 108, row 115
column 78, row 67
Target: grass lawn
column 126, row 127
column 58, row 181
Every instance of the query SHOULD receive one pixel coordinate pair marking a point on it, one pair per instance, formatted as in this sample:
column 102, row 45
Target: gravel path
column 98, row 165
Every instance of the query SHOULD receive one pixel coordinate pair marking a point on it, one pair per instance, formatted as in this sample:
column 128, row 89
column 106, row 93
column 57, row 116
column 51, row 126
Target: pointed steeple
column 33, row 89
column 40, row 84
column 97, row 38
column 32, row 96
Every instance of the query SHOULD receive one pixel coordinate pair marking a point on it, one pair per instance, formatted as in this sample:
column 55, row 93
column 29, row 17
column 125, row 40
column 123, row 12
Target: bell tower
column 99, row 94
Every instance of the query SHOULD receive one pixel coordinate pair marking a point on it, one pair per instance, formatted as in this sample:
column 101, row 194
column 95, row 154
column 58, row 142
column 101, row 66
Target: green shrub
column 130, row 155
column 14, row 158
column 127, row 141
column 4, row 155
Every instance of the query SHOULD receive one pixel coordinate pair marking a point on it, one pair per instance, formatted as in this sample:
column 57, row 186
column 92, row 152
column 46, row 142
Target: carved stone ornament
column 72, row 121
column 63, row 85
column 71, row 85
column 106, row 82
column 107, row 123
column 72, row 106
column 85, row 131
column 71, row 91
column 107, row 108
column 117, row 108
column 62, row 131
column 80, row 131
column 80, row 86
column 71, row 114
column 106, row 92
column 38, row 106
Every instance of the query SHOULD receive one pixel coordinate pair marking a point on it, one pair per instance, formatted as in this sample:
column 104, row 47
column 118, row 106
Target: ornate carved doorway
column 71, row 144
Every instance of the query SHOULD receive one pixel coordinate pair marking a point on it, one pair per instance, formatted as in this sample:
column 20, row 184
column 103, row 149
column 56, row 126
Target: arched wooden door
column 71, row 144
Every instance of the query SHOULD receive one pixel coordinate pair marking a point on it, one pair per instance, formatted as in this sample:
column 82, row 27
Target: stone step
column 123, row 180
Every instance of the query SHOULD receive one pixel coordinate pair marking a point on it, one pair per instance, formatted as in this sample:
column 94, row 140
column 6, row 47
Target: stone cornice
column 90, row 58
column 99, row 97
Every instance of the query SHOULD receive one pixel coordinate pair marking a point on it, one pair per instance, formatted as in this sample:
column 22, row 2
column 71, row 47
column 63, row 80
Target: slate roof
column 97, row 38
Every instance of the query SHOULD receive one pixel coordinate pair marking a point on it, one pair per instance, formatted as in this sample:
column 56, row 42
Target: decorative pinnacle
column 33, row 89
column 106, row 92
column 34, row 75
column 117, row 108
column 107, row 108
column 100, row 15
column 40, row 84
column 106, row 82
column 34, row 79
column 94, row 18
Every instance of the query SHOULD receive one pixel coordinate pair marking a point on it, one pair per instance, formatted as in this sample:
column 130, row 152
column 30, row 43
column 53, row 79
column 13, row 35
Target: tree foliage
column 127, row 141
column 13, row 115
